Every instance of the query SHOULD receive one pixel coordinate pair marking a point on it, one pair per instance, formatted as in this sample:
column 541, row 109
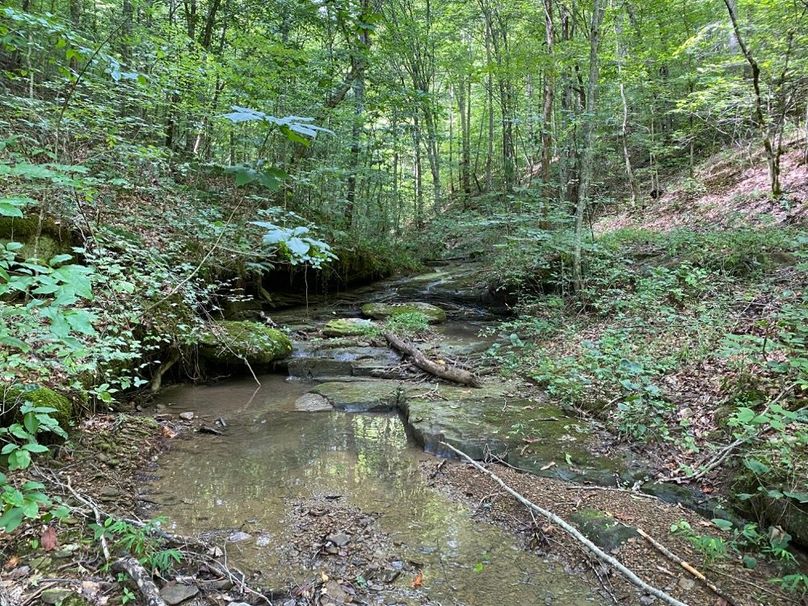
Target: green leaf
column 802, row 497
column 722, row 524
column 11, row 519
column 35, row 447
column 749, row 562
column 59, row 259
column 12, row 206
column 31, row 423
column 756, row 466
column 19, row 459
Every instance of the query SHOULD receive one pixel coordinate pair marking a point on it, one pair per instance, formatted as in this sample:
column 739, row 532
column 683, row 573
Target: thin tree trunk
column 763, row 123
column 549, row 94
column 598, row 11
column 621, row 55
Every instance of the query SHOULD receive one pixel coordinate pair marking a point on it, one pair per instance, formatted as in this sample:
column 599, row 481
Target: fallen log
column 142, row 578
column 573, row 532
column 454, row 374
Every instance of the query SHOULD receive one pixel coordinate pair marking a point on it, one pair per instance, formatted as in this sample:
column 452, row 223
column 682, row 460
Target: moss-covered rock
column 602, row 529
column 231, row 342
column 349, row 327
column 382, row 311
column 24, row 230
column 43, row 396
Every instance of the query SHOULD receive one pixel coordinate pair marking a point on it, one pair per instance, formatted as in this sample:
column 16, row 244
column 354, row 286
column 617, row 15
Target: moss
column 349, row 327
column 24, row 230
column 43, row 396
column 601, row 528
column 381, row 311
column 233, row 341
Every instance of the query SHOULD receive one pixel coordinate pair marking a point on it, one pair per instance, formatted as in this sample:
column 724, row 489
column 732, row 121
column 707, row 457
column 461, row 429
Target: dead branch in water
column 456, row 375
column 573, row 532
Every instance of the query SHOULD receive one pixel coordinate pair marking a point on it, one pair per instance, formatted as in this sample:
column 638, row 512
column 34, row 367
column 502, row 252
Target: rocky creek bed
column 327, row 484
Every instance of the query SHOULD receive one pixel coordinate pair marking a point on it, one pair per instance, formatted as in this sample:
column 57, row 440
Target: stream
column 295, row 495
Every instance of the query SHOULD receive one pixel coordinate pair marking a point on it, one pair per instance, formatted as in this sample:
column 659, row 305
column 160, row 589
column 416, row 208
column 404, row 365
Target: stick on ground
column 626, row 573
column 689, row 567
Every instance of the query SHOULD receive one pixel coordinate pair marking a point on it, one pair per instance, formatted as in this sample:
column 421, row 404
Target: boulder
column 349, row 327
column 231, row 342
column 41, row 396
column 382, row 311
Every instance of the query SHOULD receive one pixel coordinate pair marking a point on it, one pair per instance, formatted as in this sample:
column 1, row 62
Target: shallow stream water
column 271, row 457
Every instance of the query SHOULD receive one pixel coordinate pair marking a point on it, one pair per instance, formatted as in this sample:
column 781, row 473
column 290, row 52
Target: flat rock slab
column 382, row 311
column 538, row 437
column 176, row 593
column 321, row 362
column 360, row 396
column 312, row 402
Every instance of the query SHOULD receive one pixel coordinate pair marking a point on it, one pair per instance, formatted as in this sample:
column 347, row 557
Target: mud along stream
column 323, row 471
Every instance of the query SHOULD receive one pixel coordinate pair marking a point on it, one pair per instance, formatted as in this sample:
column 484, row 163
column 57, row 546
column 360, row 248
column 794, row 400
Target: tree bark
column 456, row 375
column 598, row 11
column 549, row 94
column 763, row 123
column 621, row 55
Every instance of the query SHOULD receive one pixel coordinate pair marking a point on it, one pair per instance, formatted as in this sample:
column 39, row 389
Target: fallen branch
column 687, row 566
column 456, row 375
column 142, row 579
column 575, row 534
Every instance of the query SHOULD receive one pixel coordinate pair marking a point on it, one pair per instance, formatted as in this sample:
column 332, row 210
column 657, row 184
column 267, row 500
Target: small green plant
column 712, row 548
column 411, row 323
column 140, row 541
column 128, row 596
column 795, row 583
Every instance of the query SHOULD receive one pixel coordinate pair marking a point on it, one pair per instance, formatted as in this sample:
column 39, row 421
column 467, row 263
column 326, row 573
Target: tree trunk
column 598, row 10
column 621, row 55
column 549, row 94
column 763, row 122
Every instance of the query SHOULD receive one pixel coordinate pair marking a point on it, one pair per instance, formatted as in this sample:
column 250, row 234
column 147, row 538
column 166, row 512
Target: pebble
column 686, row 584
column 187, row 416
column 340, row 539
column 238, row 536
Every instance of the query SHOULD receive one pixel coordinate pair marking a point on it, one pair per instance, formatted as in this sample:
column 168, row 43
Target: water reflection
column 271, row 456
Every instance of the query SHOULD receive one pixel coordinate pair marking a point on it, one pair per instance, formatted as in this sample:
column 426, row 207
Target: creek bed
column 250, row 487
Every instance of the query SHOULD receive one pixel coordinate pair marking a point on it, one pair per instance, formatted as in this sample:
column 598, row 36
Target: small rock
column 686, row 584
column 340, row 539
column 19, row 573
column 335, row 591
column 175, row 593
column 109, row 492
column 238, row 536
column 187, row 416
